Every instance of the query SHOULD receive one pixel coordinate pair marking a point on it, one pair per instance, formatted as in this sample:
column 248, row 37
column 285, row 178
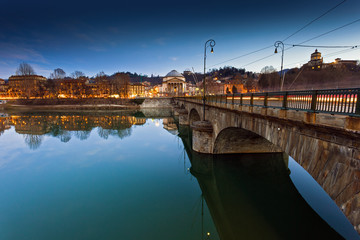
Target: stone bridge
column 326, row 145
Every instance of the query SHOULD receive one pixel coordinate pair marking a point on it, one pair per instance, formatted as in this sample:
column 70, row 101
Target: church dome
column 174, row 73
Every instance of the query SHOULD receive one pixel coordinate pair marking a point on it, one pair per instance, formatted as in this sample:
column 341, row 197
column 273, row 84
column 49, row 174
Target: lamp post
column 281, row 45
column 209, row 43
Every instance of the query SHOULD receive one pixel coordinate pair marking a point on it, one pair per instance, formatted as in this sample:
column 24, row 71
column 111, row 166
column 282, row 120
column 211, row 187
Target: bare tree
column 268, row 69
column 58, row 74
column 100, row 75
column 119, row 84
column 77, row 74
column 25, row 69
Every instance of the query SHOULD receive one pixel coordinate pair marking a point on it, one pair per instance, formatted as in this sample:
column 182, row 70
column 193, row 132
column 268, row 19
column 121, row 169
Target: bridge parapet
column 312, row 106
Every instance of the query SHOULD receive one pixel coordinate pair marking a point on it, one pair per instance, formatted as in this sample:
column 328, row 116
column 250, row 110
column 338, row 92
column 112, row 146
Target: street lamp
column 281, row 45
column 209, row 43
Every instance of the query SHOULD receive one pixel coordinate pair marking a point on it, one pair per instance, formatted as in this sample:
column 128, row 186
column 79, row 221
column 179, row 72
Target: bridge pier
column 176, row 111
column 202, row 137
column 183, row 117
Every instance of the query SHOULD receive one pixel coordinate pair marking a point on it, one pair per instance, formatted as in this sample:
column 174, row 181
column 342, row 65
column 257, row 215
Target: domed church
column 174, row 83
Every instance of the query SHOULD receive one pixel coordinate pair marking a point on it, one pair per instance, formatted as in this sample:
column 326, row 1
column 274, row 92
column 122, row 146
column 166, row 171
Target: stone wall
column 157, row 103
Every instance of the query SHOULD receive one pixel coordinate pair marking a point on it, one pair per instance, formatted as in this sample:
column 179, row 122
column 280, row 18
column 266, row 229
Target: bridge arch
column 194, row 116
column 239, row 140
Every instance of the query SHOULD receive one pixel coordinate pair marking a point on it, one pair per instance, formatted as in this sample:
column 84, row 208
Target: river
column 133, row 175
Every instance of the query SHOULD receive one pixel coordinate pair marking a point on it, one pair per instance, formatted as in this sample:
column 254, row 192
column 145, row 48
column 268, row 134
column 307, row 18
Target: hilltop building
column 316, row 62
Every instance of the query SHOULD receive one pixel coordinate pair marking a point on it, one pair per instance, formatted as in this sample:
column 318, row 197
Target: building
column 344, row 63
column 26, row 86
column 316, row 59
column 3, row 88
column 136, row 90
column 173, row 84
column 316, row 62
column 234, row 86
column 71, row 88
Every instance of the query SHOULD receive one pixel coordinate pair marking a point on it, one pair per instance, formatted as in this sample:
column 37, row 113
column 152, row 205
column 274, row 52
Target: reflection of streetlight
column 211, row 44
column 280, row 44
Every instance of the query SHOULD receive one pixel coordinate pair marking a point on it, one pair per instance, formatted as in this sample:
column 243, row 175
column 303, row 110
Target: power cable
column 244, row 55
column 326, row 55
column 299, row 45
column 323, row 34
column 306, row 25
column 320, row 35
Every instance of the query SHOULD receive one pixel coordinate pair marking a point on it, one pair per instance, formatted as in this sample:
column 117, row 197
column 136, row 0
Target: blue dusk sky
column 154, row 37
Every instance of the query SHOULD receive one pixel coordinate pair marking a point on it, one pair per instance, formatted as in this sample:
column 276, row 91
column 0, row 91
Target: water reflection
column 34, row 126
column 251, row 196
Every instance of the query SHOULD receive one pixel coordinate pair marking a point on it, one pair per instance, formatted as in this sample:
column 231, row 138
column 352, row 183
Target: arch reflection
column 251, row 196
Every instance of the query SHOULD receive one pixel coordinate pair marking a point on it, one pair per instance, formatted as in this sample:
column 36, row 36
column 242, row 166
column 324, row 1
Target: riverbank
column 69, row 107
column 86, row 104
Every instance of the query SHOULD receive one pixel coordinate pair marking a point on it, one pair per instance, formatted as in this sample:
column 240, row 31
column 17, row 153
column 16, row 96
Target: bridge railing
column 333, row 101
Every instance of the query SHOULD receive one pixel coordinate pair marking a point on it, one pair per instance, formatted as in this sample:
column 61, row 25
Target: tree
column 119, row 84
column 234, row 89
column 77, row 74
column 25, row 69
column 227, row 90
column 268, row 69
column 58, row 74
column 250, row 84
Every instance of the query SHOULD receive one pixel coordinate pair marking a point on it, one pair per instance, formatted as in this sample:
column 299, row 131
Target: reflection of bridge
column 297, row 123
column 251, row 196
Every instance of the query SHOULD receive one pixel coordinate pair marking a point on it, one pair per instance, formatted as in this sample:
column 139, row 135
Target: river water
column 132, row 175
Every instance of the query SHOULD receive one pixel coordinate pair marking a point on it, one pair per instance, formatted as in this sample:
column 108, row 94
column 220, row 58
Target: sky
column 155, row 37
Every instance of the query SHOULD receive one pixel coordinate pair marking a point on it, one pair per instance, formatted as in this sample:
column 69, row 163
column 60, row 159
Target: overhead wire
column 326, row 55
column 333, row 30
column 244, row 55
column 306, row 25
column 320, row 35
column 314, row 46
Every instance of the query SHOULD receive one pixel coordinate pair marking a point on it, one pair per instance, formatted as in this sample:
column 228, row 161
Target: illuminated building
column 26, row 86
column 173, row 84
column 136, row 90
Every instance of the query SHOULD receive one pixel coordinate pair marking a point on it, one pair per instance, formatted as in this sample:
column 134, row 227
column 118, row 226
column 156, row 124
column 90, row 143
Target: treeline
column 306, row 78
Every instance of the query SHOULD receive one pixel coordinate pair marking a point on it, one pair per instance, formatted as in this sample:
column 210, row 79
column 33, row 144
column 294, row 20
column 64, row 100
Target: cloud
column 97, row 49
column 174, row 58
column 84, row 37
column 160, row 41
column 114, row 29
column 18, row 52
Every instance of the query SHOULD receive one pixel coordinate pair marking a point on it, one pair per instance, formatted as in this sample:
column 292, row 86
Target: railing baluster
column 266, row 100
column 284, row 105
column 313, row 101
column 334, row 101
column 357, row 108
